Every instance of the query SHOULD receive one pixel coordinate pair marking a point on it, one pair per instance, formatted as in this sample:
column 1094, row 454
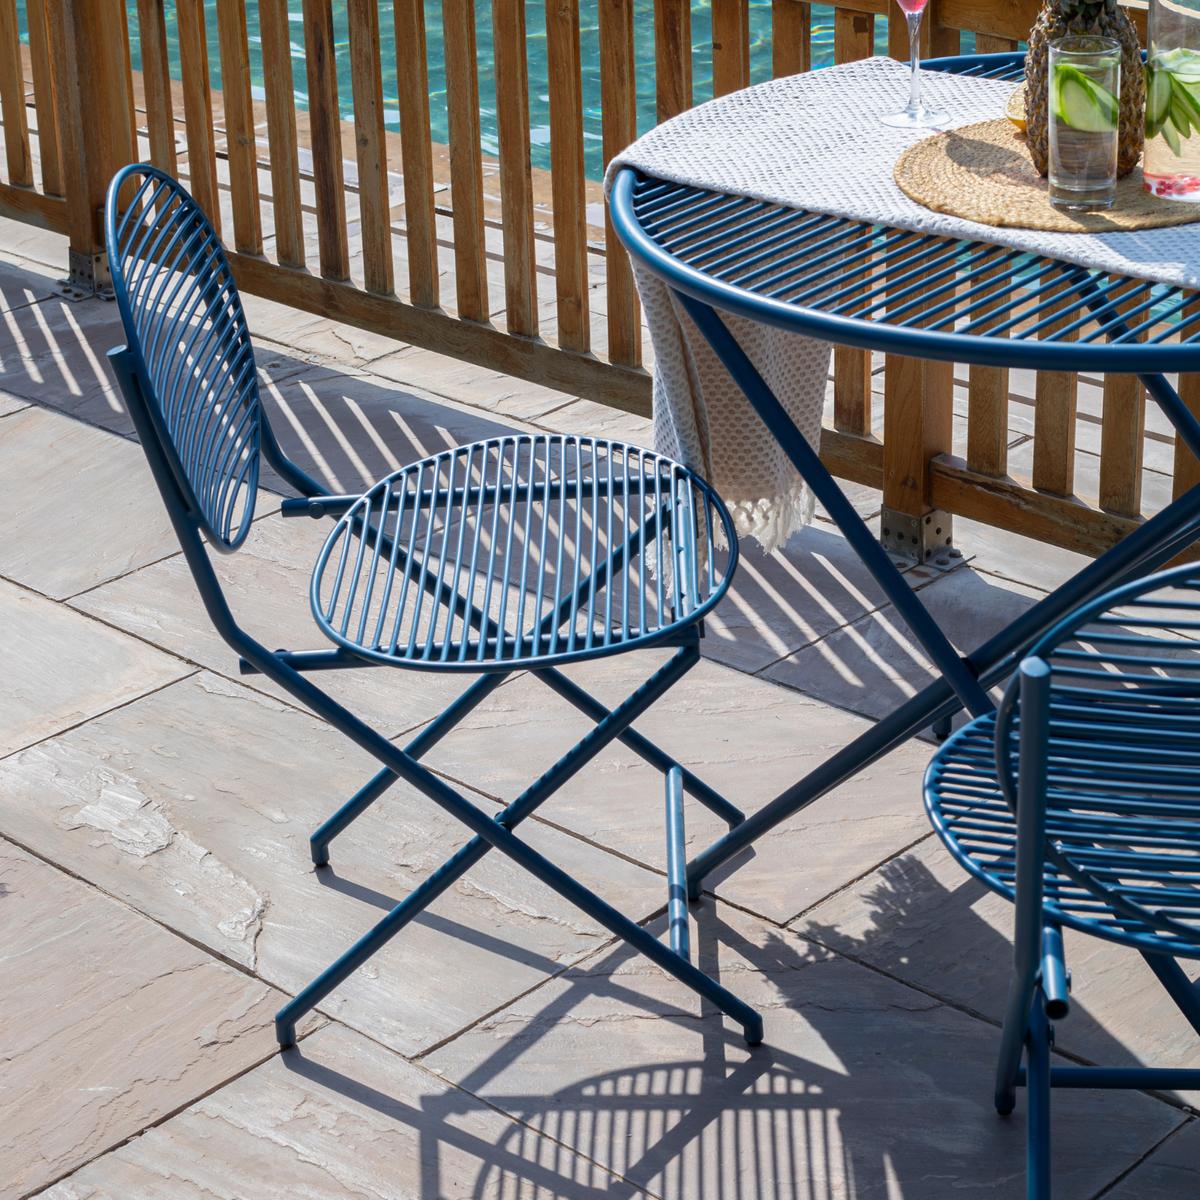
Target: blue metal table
column 878, row 288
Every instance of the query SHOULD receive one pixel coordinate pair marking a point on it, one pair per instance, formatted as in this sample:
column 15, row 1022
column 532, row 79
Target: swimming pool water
column 539, row 100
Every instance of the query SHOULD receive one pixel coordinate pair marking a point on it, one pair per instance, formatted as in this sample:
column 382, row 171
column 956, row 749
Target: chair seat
column 524, row 551
column 1123, row 806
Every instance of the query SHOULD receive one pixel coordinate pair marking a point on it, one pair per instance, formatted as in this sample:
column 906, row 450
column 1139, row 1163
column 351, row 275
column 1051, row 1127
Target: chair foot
column 941, row 728
column 753, row 1032
column 319, row 852
column 1005, row 1105
column 285, row 1033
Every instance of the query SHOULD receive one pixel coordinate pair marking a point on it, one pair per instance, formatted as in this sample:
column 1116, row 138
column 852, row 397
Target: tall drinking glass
column 1084, row 102
column 915, row 116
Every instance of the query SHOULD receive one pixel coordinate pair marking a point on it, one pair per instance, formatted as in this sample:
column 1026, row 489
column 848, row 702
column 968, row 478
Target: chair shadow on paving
column 328, row 877
column 862, row 1087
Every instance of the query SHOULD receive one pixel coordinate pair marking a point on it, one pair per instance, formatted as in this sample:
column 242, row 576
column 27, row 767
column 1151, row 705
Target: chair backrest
column 190, row 347
column 1120, row 765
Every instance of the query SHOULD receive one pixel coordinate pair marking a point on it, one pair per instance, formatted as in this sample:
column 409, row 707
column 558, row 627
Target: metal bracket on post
column 89, row 277
column 920, row 541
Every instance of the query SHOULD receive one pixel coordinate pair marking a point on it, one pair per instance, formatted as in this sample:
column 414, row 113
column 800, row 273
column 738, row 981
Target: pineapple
column 1101, row 18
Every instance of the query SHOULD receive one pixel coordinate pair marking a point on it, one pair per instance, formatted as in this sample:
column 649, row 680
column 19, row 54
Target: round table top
column 882, row 288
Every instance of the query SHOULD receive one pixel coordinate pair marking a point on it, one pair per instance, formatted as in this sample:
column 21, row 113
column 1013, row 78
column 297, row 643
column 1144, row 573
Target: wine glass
column 915, row 116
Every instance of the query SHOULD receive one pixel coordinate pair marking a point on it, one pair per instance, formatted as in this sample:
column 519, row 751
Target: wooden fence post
column 89, row 40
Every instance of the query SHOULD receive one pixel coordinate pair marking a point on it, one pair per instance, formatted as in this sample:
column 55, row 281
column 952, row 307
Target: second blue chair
column 1079, row 801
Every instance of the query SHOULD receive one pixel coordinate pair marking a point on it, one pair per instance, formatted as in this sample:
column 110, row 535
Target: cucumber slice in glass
column 1158, row 96
column 1180, row 117
column 1183, row 91
column 1082, row 104
column 1171, row 137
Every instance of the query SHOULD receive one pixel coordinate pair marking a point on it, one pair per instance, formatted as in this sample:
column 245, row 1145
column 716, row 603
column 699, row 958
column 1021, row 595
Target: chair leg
column 1181, row 989
column 1012, row 1041
column 643, row 747
column 677, row 912
column 1037, row 1156
column 496, row 832
column 429, row 737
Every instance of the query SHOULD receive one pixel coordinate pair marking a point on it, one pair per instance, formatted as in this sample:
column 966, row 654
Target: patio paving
column 159, row 901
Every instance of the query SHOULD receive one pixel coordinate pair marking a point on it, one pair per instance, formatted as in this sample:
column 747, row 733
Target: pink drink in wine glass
column 915, row 116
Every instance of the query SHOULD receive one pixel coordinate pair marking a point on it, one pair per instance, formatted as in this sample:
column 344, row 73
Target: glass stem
column 914, row 45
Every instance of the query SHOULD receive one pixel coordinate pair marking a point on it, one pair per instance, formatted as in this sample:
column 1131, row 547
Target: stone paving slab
column 467, row 383
column 11, row 404
column 336, row 1117
column 54, row 352
column 746, row 738
column 347, row 431
column 862, row 1087
column 95, row 516
column 921, row 918
column 875, row 665
column 61, row 668
column 107, row 1023
column 788, row 599
column 267, row 585
column 1172, row 1170
column 188, row 807
column 21, row 283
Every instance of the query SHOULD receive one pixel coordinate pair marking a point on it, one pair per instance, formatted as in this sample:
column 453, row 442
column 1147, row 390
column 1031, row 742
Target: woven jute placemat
column 984, row 173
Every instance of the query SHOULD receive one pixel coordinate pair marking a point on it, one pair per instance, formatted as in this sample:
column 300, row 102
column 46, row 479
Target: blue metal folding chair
column 1079, row 800
column 521, row 553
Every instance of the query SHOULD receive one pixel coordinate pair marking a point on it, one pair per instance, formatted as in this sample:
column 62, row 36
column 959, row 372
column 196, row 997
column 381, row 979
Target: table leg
column 1138, row 554
column 947, row 660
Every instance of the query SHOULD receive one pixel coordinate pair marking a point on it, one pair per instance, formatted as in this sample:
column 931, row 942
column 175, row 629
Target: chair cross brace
column 611, row 726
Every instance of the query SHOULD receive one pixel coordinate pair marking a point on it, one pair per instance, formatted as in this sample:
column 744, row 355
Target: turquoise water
column 539, row 115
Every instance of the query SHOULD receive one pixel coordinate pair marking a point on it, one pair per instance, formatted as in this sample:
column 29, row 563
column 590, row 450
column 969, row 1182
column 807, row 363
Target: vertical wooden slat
column 987, row 414
column 618, row 105
column 240, row 142
column 987, row 420
column 325, row 131
column 730, row 45
column 1122, row 430
column 466, row 165
column 43, row 97
column 281, row 131
column 918, row 416
column 197, row 110
column 416, row 148
column 93, row 115
column 899, row 46
column 120, row 45
column 672, row 57
column 986, row 44
column 852, row 385
column 851, row 390
column 12, row 99
column 791, row 37
column 566, row 173
column 1187, row 468
column 370, row 140
column 853, row 39
column 516, row 184
column 1055, row 399
column 156, row 84
column 853, row 35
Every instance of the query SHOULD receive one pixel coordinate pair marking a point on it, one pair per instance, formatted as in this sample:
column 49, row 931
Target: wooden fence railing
column 488, row 259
